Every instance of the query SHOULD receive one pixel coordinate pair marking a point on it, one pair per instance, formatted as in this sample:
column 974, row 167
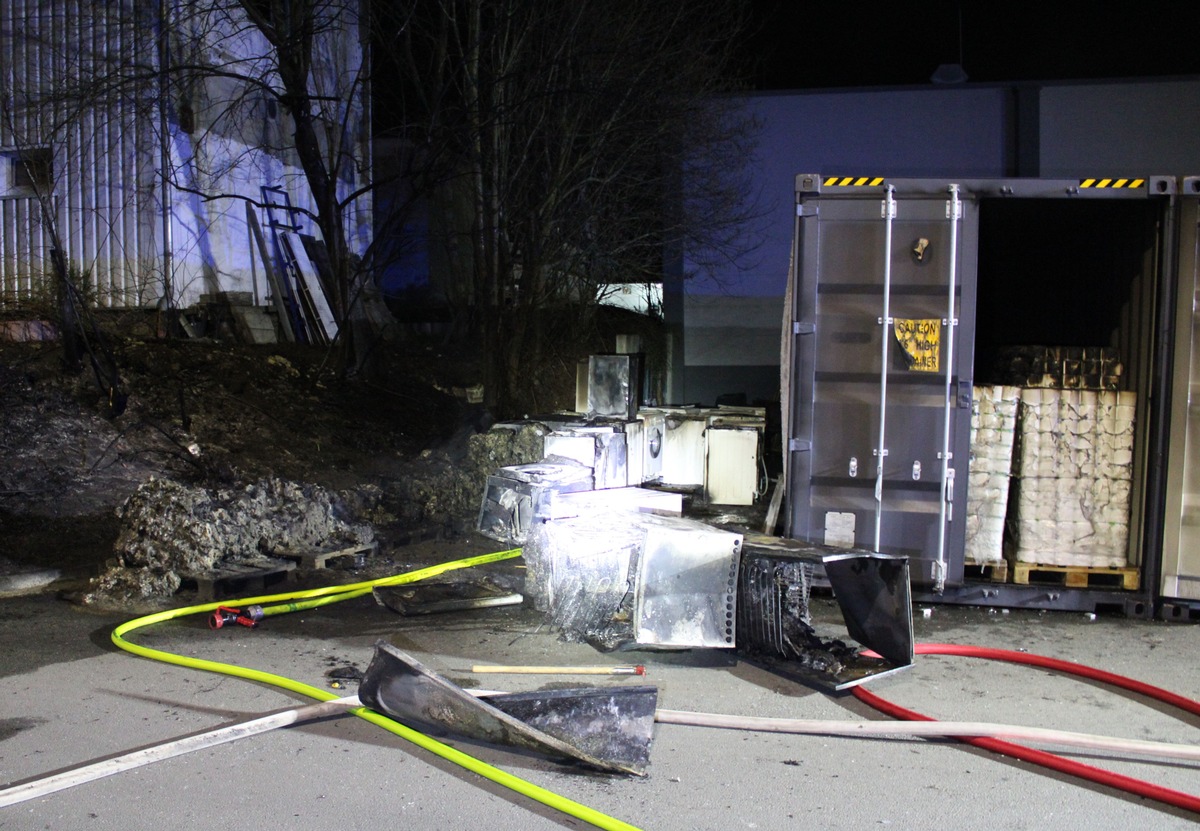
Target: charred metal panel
column 609, row 730
column 774, row 626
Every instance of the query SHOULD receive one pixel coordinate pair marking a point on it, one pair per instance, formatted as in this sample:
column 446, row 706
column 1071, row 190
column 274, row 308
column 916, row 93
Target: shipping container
column 985, row 376
column 1180, row 562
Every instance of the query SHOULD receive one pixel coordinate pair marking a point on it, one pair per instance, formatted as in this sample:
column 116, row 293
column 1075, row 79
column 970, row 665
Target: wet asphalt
column 71, row 697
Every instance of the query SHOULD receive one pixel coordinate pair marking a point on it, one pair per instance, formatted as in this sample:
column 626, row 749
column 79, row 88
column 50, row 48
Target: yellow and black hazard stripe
column 1099, row 184
column 852, row 181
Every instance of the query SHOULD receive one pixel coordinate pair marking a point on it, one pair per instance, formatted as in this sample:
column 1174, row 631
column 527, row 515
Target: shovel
column 606, row 729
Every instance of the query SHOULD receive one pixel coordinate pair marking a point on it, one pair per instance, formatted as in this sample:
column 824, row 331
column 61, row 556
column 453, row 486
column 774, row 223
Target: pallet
column 320, row 559
column 239, row 579
column 995, row 571
column 1127, row 578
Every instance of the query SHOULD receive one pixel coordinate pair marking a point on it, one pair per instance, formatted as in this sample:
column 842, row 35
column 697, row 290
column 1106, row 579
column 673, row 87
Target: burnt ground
column 393, row 450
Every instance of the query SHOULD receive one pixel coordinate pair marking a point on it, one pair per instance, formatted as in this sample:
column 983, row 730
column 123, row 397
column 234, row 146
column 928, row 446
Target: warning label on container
column 921, row 341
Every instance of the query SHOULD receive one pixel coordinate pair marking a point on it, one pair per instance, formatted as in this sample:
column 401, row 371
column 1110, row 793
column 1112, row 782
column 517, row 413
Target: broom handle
column 928, row 728
column 176, row 747
column 537, row 670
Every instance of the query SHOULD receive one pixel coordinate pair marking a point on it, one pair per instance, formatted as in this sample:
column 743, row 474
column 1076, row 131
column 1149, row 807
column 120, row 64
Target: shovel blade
column 614, row 724
column 604, row 729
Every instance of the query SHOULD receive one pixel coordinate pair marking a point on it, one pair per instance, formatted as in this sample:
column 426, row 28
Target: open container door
column 881, row 366
column 1180, row 581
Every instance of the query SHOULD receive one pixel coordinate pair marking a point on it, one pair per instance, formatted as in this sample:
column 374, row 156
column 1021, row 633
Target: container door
column 881, row 369
column 1181, row 528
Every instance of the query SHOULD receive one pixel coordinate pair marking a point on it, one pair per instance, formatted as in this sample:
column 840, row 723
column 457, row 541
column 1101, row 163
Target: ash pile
column 171, row 532
column 59, row 457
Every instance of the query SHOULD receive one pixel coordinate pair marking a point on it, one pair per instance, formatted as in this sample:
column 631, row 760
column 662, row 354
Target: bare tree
column 565, row 146
column 580, row 144
column 306, row 59
column 212, row 100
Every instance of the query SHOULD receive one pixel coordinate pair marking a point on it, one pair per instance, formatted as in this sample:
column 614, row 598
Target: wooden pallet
column 320, row 559
column 239, row 579
column 1077, row 577
column 995, row 571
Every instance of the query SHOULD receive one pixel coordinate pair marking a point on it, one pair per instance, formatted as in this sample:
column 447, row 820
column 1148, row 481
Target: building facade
column 144, row 139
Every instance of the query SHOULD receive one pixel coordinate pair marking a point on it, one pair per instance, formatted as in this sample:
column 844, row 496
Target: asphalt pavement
column 70, row 698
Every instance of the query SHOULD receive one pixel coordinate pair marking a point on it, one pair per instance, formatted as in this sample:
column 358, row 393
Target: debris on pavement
column 432, row 597
column 170, row 530
column 603, row 728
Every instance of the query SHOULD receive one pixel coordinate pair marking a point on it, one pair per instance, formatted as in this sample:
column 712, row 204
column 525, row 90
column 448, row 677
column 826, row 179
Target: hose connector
column 227, row 614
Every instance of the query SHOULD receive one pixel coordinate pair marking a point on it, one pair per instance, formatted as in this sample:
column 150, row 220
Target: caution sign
column 921, row 341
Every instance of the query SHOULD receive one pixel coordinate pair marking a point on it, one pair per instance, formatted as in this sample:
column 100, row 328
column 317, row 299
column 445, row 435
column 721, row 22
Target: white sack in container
column 1074, row 468
column 993, row 425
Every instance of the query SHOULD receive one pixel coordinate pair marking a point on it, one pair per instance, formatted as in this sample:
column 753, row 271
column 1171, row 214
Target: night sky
column 836, row 43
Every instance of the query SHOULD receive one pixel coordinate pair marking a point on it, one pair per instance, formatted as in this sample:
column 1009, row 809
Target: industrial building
column 145, row 140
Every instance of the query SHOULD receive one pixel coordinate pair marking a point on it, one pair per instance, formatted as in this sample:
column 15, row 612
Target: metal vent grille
column 772, row 605
column 774, row 625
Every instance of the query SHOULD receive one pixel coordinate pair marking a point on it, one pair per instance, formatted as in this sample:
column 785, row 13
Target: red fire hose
column 1138, row 787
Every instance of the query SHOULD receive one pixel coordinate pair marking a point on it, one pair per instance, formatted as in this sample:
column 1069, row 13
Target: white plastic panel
column 731, row 472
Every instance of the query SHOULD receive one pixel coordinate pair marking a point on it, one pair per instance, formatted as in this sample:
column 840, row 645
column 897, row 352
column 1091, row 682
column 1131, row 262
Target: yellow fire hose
column 313, row 598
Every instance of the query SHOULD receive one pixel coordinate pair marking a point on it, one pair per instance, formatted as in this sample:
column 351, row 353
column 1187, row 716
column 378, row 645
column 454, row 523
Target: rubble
column 170, row 530
column 443, row 488
column 60, row 458
column 399, row 452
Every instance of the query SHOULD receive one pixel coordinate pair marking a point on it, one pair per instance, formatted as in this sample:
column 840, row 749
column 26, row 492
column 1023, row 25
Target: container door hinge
column 799, row 328
column 938, row 573
column 965, row 394
column 953, row 210
column 799, row 445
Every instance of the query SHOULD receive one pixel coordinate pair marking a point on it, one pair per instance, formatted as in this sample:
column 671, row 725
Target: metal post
column 885, row 323
column 945, row 513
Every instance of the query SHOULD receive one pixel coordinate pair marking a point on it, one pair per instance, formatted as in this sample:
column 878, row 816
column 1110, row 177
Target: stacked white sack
column 993, row 425
column 1073, row 464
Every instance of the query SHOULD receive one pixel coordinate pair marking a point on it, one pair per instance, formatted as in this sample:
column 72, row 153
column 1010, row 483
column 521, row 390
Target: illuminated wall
column 89, row 103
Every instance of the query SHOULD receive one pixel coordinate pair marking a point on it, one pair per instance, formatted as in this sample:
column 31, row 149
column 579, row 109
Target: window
column 30, row 171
